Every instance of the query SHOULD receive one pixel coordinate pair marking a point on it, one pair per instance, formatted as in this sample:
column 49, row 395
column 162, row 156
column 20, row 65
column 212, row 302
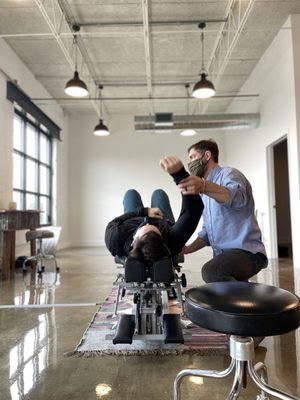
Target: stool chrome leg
column 262, row 369
column 265, row 387
column 199, row 372
column 237, row 385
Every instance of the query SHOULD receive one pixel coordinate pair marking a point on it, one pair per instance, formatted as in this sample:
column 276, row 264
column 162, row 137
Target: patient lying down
column 149, row 234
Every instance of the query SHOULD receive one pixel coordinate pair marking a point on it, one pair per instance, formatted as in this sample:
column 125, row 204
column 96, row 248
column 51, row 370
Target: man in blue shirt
column 229, row 222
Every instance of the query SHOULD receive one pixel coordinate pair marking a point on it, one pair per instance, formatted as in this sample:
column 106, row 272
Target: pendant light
column 204, row 88
column 188, row 132
column 101, row 129
column 75, row 87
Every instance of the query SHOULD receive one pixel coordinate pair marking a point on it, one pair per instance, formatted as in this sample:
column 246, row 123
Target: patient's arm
column 191, row 209
column 190, row 214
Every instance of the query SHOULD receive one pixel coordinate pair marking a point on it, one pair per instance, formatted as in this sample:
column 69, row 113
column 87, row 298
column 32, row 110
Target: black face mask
column 198, row 167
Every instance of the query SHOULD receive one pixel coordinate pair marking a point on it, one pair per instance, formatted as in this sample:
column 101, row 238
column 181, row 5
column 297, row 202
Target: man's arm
column 232, row 193
column 191, row 209
column 196, row 185
column 196, row 245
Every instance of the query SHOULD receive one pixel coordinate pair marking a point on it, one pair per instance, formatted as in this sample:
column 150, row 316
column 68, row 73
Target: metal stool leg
column 265, row 387
column 203, row 373
column 237, row 382
column 262, row 369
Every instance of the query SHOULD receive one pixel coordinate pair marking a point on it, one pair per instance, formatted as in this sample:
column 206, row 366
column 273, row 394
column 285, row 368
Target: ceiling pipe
column 225, row 96
column 151, row 23
column 199, row 122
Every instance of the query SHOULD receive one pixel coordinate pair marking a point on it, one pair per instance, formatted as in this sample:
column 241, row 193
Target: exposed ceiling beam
column 238, row 14
column 66, row 48
column 135, row 33
column 146, row 31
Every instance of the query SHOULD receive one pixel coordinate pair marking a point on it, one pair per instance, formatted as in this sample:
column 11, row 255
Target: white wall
column 13, row 66
column 102, row 169
column 273, row 80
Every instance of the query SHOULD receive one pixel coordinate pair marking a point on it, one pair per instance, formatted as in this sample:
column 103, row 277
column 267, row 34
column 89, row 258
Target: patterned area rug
column 94, row 343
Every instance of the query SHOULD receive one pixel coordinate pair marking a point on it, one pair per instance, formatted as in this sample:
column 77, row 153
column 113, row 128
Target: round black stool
column 243, row 310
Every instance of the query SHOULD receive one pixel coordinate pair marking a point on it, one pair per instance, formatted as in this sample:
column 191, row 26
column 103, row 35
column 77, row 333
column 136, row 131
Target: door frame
column 272, row 196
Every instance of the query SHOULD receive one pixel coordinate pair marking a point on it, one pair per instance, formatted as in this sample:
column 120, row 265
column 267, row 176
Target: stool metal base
column 39, row 258
column 242, row 355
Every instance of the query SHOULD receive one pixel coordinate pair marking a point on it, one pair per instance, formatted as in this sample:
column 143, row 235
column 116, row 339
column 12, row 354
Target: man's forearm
column 219, row 193
column 196, row 185
column 195, row 245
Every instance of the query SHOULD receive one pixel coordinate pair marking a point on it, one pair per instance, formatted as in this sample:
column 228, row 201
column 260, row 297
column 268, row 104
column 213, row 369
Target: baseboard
column 87, row 243
column 23, row 249
column 64, row 245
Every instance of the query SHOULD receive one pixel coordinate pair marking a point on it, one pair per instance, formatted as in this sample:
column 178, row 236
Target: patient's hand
column 171, row 164
column 155, row 212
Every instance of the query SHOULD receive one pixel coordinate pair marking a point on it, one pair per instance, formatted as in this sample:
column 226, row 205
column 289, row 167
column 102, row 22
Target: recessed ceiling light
column 188, row 132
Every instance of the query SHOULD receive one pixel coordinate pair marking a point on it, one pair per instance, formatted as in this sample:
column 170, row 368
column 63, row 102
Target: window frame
column 25, row 121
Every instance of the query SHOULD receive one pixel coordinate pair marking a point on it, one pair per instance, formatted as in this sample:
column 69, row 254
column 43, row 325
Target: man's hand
column 171, row 164
column 196, row 245
column 191, row 185
column 186, row 250
column 155, row 212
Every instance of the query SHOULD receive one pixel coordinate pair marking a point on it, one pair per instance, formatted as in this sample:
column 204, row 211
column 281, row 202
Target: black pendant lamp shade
column 204, row 88
column 75, row 87
column 101, row 129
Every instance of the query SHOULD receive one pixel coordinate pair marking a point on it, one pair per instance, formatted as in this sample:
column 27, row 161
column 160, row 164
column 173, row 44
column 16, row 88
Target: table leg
column 13, row 254
column 9, row 248
column 32, row 246
column 33, row 253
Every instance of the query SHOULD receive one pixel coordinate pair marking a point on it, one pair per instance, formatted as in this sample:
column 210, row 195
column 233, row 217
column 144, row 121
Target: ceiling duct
column 198, row 122
column 163, row 120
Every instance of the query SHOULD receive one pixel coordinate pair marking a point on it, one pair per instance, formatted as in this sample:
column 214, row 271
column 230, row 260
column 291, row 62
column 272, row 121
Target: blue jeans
column 132, row 200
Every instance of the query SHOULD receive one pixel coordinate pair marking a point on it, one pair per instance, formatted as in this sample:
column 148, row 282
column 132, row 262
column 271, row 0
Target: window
column 32, row 166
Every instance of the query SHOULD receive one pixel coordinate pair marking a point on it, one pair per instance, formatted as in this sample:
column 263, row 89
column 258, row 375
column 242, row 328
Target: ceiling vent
column 166, row 122
column 163, row 120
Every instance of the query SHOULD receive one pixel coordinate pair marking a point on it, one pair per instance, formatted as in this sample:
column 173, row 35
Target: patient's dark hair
column 205, row 145
column 149, row 248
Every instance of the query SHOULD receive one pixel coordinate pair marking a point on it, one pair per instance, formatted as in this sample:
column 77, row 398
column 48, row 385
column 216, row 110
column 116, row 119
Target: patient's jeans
column 233, row 265
column 159, row 198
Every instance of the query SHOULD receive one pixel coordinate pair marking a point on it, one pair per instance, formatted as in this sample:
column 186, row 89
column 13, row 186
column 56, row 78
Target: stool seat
column 243, row 308
column 39, row 234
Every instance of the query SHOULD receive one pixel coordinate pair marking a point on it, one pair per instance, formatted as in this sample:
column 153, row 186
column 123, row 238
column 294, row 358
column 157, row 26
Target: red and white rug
column 94, row 343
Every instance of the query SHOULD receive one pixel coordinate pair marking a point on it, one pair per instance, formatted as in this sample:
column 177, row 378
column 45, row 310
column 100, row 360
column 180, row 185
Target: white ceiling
column 115, row 55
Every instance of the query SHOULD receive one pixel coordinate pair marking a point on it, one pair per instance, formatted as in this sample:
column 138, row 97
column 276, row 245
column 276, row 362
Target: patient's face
column 145, row 229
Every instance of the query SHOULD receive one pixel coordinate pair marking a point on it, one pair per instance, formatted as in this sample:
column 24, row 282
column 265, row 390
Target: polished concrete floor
column 33, row 341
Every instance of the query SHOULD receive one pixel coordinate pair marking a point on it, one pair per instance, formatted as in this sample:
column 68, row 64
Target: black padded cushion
column 120, row 260
column 243, row 308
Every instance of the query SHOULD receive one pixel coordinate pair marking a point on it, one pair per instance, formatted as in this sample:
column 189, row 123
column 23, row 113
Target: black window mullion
column 24, row 163
column 38, row 164
column 38, row 168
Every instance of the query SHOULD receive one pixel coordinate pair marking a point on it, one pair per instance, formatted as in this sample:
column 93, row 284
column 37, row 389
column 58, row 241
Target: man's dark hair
column 149, row 248
column 205, row 145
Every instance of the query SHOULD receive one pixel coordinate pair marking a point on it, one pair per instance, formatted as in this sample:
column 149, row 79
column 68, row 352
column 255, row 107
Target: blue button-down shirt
column 231, row 225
